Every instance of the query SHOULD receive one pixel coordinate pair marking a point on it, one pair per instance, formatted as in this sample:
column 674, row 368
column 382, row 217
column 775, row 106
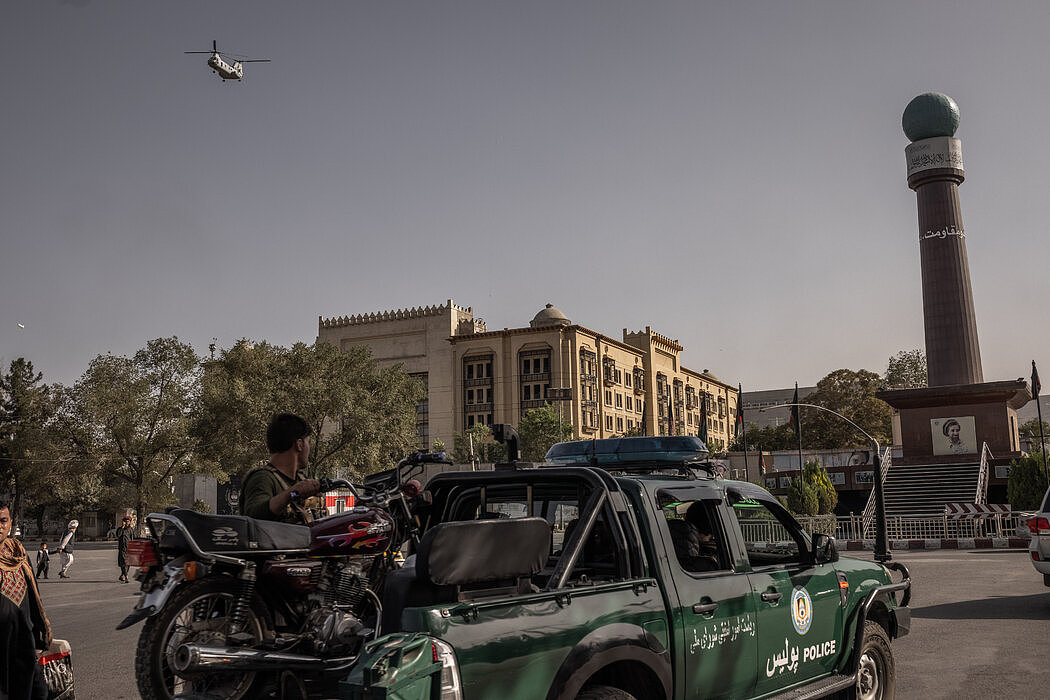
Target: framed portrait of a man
column 953, row 436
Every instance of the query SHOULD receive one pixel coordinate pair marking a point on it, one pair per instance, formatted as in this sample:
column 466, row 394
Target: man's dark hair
column 283, row 431
column 5, row 504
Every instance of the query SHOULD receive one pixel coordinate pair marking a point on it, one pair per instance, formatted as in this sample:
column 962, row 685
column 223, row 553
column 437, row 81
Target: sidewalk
column 961, row 543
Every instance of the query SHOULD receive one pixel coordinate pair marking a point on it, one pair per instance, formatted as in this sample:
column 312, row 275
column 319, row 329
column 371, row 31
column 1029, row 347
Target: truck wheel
column 198, row 613
column 877, row 677
column 603, row 692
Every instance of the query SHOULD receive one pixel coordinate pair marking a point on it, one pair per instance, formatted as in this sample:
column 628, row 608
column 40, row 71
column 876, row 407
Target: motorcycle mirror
column 411, row 488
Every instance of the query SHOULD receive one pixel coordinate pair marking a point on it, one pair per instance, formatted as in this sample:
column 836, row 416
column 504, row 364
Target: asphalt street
column 980, row 626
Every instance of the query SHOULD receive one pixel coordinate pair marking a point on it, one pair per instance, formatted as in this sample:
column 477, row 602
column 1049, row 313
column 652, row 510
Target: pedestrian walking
column 43, row 560
column 65, row 547
column 124, row 535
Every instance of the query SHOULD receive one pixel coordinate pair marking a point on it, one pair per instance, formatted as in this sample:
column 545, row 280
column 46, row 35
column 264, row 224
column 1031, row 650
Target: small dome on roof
column 549, row 316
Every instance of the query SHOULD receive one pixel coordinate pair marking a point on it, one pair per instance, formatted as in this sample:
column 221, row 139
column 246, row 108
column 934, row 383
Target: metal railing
column 982, row 478
column 886, row 462
column 853, row 526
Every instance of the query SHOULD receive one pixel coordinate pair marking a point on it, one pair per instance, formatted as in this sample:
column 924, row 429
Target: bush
column 816, row 494
column 1027, row 483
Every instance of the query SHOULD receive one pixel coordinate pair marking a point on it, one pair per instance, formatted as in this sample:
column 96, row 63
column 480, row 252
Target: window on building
column 547, row 364
column 526, row 392
column 470, row 396
column 608, row 398
column 629, row 403
column 619, row 400
column 608, row 422
column 627, row 379
column 619, row 424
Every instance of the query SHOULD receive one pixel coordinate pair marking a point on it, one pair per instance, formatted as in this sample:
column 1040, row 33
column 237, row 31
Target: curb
column 962, row 543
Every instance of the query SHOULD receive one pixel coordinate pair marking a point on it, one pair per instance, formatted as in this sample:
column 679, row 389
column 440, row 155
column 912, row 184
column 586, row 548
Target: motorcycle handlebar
column 413, row 459
column 425, row 458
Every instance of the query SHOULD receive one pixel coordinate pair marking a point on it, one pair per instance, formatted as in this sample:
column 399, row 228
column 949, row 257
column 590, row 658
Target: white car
column 1039, row 547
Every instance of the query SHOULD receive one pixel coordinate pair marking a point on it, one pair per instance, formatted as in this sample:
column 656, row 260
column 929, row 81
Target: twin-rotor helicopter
column 233, row 70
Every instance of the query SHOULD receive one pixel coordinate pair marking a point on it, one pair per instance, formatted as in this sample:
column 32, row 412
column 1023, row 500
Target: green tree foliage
column 28, row 459
column 1027, row 483
column 1030, row 429
column 485, row 448
column 771, row 437
column 851, row 394
column 539, row 429
column 131, row 417
column 361, row 413
column 907, row 370
column 815, row 494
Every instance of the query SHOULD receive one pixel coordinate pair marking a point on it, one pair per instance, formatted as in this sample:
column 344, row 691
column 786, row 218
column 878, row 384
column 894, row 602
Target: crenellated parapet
column 394, row 315
column 649, row 336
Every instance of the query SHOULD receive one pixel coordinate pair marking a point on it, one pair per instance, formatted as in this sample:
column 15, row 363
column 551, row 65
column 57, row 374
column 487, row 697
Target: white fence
column 856, row 527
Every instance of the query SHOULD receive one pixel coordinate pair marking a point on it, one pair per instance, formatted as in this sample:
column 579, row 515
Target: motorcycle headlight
column 450, row 686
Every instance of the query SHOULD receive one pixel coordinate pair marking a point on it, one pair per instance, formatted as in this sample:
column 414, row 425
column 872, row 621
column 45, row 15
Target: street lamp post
column 882, row 548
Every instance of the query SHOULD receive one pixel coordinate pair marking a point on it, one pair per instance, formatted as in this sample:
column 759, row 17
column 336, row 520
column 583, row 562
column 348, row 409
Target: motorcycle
column 235, row 607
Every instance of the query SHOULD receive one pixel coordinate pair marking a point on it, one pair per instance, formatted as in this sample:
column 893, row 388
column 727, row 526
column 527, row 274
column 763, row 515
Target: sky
column 731, row 174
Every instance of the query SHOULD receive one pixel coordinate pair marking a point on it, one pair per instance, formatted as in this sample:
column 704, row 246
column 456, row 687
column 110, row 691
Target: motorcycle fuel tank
column 360, row 530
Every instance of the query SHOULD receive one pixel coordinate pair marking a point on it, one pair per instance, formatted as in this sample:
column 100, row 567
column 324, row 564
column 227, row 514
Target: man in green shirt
column 272, row 492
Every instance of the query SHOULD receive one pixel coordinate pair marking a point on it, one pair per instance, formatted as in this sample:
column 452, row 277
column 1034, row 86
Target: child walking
column 43, row 560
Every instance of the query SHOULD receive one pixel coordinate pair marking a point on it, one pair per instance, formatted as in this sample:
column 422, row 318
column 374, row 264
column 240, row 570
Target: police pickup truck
column 622, row 569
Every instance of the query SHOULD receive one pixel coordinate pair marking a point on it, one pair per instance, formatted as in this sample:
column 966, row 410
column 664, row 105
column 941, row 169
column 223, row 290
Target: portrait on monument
column 953, row 436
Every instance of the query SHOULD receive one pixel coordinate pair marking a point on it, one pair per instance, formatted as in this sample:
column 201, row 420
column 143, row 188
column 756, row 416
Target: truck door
column 798, row 603
column 715, row 618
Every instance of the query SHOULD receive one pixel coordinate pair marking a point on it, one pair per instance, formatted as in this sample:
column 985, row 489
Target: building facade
column 602, row 386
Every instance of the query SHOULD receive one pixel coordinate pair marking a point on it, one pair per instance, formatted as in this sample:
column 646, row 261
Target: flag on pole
column 703, row 417
column 739, row 412
column 670, row 414
column 645, row 427
column 1036, row 386
column 796, row 424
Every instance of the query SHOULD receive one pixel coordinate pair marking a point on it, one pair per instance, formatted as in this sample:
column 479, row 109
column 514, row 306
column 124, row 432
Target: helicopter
column 225, row 70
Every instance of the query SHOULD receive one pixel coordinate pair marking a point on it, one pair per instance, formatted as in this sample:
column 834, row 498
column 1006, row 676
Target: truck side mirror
column 824, row 551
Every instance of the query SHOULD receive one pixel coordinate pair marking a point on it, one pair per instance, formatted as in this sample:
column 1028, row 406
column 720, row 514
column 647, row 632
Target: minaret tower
column 935, row 171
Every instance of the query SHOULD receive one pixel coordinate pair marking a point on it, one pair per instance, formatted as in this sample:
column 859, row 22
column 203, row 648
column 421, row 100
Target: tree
column 1027, row 483
column 851, row 394
column 485, row 448
column 907, row 370
column 1030, row 429
column 814, row 494
column 131, row 417
column 540, row 428
column 27, row 409
column 771, row 437
column 360, row 413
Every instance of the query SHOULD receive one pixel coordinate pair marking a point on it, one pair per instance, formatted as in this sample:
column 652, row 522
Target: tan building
column 603, row 386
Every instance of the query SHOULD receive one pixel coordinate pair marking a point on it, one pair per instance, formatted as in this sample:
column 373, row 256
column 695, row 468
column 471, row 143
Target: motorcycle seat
column 234, row 533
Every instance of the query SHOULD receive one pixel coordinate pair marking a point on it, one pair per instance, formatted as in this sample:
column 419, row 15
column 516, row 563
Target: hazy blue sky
column 730, row 173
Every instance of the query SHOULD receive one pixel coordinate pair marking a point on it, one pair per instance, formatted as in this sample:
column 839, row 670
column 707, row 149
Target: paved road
column 980, row 627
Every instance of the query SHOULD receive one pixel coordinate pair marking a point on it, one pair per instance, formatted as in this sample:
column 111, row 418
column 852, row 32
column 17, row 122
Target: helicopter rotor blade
column 255, row 60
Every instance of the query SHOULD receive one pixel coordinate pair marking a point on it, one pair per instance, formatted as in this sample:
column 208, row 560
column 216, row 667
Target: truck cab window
column 699, row 544
column 769, row 535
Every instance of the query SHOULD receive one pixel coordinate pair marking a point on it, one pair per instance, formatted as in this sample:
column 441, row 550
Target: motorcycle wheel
column 198, row 613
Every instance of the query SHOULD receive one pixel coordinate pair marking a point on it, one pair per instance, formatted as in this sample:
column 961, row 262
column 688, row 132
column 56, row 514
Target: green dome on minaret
column 930, row 114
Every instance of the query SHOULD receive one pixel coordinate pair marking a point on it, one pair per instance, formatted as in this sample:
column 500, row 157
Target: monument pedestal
column 949, row 424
